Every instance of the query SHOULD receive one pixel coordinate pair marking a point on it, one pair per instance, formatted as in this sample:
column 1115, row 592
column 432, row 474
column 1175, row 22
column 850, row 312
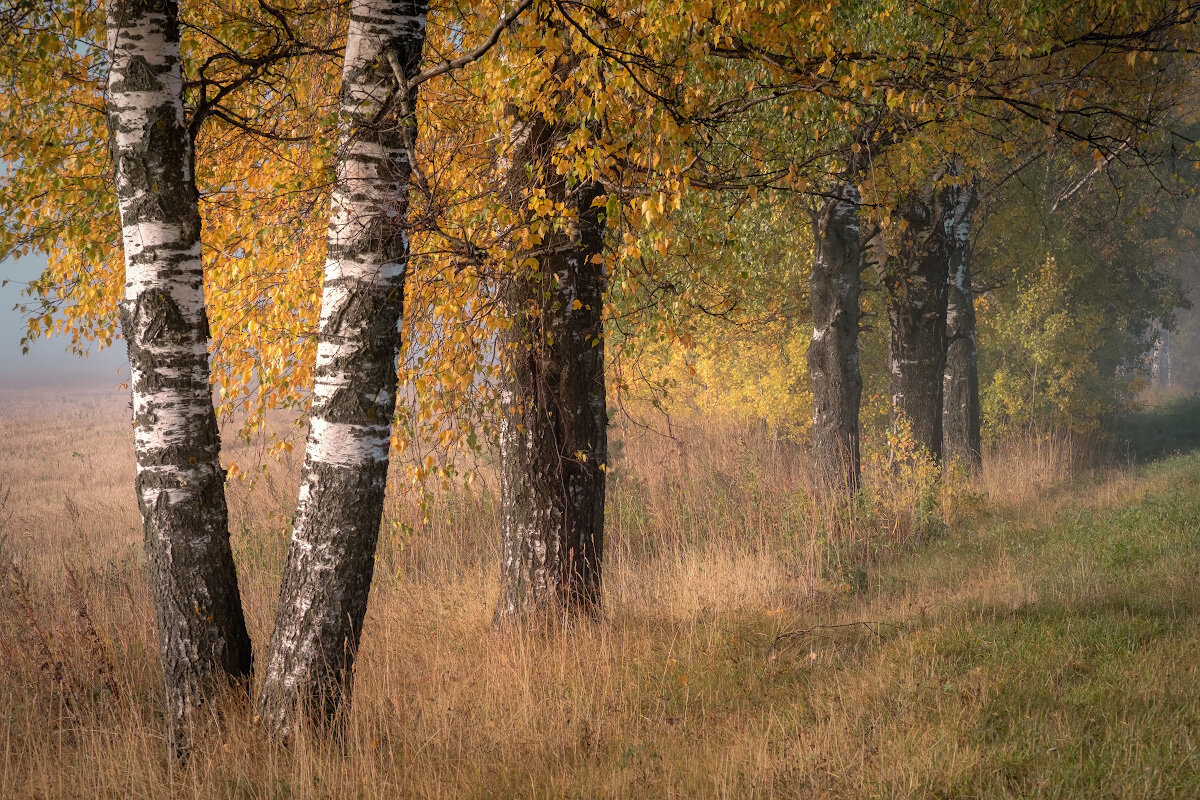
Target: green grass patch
column 1169, row 428
column 1075, row 678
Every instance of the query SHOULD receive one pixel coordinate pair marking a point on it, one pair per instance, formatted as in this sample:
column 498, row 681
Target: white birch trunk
column 180, row 483
column 323, row 598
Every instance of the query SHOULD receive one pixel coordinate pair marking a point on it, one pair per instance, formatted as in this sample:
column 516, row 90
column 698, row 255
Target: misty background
column 49, row 364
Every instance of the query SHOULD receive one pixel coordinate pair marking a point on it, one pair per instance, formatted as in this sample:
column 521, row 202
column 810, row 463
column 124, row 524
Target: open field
column 1031, row 634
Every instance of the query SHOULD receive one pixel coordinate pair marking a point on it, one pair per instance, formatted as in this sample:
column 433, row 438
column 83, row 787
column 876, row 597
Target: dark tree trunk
column 960, row 417
column 180, row 482
column 916, row 279
column 553, row 430
column 834, row 286
column 323, row 598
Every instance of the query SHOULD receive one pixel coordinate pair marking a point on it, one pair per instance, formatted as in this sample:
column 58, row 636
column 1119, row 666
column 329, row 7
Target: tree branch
column 457, row 63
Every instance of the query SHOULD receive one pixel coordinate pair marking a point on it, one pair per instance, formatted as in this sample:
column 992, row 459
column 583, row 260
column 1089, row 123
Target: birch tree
column 323, row 597
column 180, row 482
column 961, row 439
column 554, row 418
column 916, row 277
column 834, row 286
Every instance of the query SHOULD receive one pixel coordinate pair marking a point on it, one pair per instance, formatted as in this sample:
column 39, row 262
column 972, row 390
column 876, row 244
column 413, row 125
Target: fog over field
column 49, row 362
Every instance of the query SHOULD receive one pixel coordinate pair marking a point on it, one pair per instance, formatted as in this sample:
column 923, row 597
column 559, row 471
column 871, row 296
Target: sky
column 49, row 363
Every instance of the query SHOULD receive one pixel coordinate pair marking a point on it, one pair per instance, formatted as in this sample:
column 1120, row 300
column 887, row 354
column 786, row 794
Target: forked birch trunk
column 834, row 286
column 180, row 482
column 554, row 423
column 961, row 439
column 323, row 599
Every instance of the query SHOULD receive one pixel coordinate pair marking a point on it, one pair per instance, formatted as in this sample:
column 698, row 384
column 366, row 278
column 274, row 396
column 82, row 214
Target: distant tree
column 963, row 79
column 961, row 440
column 1077, row 294
column 933, row 235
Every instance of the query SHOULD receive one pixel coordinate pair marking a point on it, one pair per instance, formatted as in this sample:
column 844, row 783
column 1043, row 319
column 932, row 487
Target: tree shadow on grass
column 1169, row 428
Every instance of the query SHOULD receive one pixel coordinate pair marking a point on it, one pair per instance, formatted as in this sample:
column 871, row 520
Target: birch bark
column 323, row 598
column 180, row 482
column 916, row 282
column 553, row 432
column 834, row 286
column 960, row 416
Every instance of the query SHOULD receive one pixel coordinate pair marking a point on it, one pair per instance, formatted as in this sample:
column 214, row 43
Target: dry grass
column 717, row 670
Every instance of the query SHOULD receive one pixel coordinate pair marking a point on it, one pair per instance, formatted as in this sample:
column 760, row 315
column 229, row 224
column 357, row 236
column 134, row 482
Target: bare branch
column 502, row 24
column 1086, row 179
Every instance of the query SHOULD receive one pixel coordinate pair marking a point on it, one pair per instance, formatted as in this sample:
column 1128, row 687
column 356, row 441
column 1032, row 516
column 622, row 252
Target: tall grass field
column 1029, row 632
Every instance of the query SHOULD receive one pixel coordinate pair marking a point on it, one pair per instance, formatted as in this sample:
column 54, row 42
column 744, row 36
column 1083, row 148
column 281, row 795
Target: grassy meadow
column 1032, row 632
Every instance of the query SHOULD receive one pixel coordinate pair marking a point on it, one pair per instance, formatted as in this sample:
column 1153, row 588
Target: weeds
column 98, row 657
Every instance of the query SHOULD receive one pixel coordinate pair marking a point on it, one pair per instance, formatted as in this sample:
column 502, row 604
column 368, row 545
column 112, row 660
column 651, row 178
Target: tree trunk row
column 553, row 442
column 925, row 267
column 553, row 432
